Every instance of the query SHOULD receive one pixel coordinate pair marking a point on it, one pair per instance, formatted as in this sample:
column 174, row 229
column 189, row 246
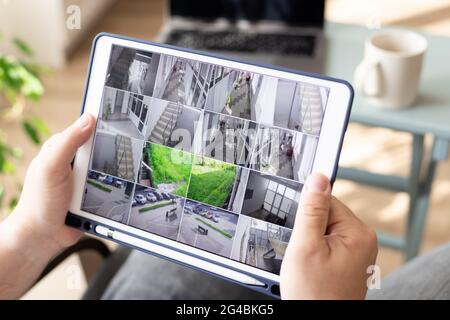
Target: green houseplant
column 20, row 89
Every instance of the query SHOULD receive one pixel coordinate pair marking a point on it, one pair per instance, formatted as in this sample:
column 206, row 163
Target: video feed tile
column 208, row 228
column 260, row 244
column 216, row 183
column 132, row 70
column 107, row 196
column 228, row 138
column 116, row 155
column 182, row 81
column 173, row 125
column 270, row 198
column 295, row 105
column 165, row 169
column 284, row 153
column 156, row 212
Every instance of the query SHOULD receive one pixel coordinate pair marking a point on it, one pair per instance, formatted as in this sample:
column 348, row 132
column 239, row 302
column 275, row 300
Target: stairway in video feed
column 312, row 112
column 124, row 158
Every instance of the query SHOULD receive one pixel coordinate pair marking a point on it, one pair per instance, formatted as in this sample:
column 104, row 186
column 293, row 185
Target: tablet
column 201, row 159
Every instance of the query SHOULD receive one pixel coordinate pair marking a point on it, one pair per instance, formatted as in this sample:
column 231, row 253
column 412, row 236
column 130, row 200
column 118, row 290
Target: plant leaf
column 31, row 131
column 41, row 126
column 23, row 47
column 12, row 203
column 37, row 69
column 2, row 194
column 32, row 87
column 8, row 167
column 16, row 152
column 2, row 158
column 17, row 79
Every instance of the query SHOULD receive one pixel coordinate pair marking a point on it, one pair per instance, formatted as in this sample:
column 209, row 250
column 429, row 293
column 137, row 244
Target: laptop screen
column 307, row 13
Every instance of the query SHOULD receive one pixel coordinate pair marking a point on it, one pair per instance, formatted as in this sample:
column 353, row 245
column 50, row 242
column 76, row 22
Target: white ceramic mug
column 390, row 72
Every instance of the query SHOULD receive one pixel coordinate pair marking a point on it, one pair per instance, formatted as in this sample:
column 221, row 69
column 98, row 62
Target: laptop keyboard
column 285, row 44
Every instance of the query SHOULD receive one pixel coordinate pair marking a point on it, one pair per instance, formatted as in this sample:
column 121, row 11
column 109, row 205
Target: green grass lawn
column 155, row 206
column 222, row 232
column 98, row 185
column 167, row 167
column 211, row 181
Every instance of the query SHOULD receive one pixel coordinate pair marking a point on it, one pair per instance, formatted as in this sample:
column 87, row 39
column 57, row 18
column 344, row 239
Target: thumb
column 63, row 146
column 312, row 215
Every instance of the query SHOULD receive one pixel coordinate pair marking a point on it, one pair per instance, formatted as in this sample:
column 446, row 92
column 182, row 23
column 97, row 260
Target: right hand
column 330, row 248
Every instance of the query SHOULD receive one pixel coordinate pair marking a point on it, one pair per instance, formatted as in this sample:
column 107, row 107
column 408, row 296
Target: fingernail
column 83, row 121
column 317, row 183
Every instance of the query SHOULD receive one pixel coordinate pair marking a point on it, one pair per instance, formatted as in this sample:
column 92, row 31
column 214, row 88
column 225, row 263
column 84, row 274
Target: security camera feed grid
column 206, row 155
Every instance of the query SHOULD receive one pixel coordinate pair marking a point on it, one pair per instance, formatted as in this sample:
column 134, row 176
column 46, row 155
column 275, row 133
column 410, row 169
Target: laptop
column 287, row 33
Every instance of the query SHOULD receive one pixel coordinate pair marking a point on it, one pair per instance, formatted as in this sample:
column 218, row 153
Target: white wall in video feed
column 206, row 155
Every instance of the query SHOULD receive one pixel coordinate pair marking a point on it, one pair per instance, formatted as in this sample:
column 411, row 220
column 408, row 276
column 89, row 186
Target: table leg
column 417, row 186
column 415, row 214
column 420, row 191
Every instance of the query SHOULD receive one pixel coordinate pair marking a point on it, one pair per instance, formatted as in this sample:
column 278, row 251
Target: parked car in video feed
column 158, row 195
column 188, row 208
column 109, row 180
column 166, row 196
column 140, row 199
column 151, row 197
column 117, row 183
column 93, row 175
column 107, row 196
column 105, row 179
column 210, row 229
column 202, row 211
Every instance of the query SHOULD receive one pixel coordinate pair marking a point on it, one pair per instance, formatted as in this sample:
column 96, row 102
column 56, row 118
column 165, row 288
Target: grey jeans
column 426, row 277
column 145, row 277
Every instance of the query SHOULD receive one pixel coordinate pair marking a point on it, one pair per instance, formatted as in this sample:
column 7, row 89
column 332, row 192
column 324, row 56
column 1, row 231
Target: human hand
column 329, row 250
column 38, row 219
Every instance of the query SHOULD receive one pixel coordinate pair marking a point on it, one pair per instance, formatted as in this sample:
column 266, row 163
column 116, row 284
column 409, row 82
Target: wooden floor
column 387, row 151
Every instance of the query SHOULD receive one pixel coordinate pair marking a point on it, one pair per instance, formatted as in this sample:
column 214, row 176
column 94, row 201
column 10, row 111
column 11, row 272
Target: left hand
column 41, row 211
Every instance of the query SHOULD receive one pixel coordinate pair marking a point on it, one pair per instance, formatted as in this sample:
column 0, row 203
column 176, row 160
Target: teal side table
column 430, row 116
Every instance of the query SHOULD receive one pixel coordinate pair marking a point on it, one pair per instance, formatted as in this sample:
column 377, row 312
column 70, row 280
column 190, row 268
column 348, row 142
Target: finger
column 342, row 220
column 63, row 146
column 339, row 212
column 312, row 215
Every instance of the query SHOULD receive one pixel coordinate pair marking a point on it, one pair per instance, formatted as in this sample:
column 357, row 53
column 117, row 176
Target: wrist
column 20, row 237
column 23, row 257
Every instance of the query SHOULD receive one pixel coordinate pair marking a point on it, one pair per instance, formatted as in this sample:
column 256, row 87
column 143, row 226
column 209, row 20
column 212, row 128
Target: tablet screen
column 206, row 155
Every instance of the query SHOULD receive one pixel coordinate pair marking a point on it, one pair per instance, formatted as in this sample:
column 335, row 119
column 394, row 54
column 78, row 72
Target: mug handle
column 367, row 77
